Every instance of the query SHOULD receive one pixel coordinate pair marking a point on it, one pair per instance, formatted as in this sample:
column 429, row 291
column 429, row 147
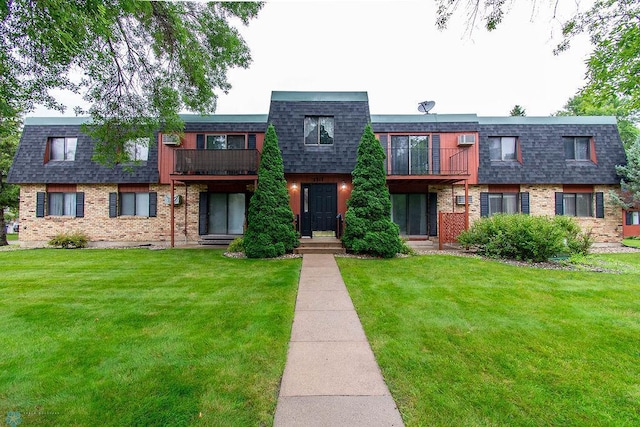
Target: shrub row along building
column 196, row 188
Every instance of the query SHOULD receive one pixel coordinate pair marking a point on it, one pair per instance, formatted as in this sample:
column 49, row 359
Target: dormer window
column 137, row 149
column 62, row 149
column 503, row 148
column 318, row 130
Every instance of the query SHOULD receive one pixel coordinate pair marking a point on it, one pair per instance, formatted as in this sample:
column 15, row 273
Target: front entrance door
column 319, row 208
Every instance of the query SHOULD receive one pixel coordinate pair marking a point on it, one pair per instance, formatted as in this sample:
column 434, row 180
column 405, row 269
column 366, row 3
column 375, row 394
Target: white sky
column 393, row 51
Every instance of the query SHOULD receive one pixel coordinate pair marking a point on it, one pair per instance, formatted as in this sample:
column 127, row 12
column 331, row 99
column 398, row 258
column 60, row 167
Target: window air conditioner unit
column 177, row 199
column 460, row 200
column 466, row 139
column 170, row 139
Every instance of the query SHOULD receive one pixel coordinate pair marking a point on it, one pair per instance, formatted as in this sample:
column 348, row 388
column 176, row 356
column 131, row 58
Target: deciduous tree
column 270, row 230
column 613, row 68
column 137, row 63
column 368, row 225
column 9, row 195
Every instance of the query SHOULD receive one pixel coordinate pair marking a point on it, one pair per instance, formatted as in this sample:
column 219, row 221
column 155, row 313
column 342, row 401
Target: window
column 577, row 204
column 134, row 204
column 505, row 199
column 225, row 142
column 506, row 203
column 409, row 211
column 633, row 218
column 61, row 204
column 577, row 148
column 62, row 149
column 318, row 130
column 137, row 149
column 409, row 154
column 60, row 200
column 503, row 148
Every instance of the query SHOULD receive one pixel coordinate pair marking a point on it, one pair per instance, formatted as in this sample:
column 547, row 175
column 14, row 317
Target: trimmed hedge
column 526, row 237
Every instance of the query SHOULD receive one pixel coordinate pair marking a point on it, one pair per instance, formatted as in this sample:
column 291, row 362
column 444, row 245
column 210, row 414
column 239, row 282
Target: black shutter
column 251, row 141
column 559, row 204
column 153, row 204
column 200, row 141
column 113, row 205
column 599, row 205
column 40, row 197
column 484, row 204
column 433, row 213
column 629, row 216
column 524, row 203
column 435, row 154
column 203, row 213
column 384, row 140
column 79, row 204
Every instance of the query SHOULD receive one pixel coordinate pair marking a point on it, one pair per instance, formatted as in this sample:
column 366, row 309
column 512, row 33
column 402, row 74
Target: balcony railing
column 445, row 161
column 216, row 162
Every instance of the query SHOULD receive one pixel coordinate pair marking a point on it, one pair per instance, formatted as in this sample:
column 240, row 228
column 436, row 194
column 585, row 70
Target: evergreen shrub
column 270, row 230
column 368, row 225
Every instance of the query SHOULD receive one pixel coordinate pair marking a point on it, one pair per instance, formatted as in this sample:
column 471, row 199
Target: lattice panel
column 451, row 225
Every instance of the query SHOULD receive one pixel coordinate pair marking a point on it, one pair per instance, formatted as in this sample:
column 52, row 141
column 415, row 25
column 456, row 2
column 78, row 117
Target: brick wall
column 103, row 230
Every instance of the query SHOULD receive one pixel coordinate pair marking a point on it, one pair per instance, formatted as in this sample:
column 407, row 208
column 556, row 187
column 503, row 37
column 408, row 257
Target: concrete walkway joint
column 331, row 377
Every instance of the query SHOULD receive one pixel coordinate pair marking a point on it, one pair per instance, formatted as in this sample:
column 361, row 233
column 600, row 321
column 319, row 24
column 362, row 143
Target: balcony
column 420, row 161
column 216, row 162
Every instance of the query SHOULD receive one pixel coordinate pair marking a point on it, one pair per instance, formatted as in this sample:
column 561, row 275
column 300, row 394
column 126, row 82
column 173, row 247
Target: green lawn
column 140, row 337
column 469, row 342
column 12, row 236
column 635, row 243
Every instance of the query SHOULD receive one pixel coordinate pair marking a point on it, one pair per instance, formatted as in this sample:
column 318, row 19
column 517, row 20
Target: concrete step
column 312, row 250
column 320, row 245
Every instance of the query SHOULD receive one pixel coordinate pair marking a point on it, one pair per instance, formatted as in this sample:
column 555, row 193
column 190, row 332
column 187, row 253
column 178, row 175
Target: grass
column 464, row 341
column 634, row 243
column 140, row 337
column 12, row 236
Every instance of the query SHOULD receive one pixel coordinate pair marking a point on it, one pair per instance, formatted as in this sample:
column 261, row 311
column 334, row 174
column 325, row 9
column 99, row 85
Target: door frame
column 307, row 219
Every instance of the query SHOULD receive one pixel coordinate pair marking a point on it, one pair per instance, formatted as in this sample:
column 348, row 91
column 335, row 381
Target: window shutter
column 629, row 216
column 435, row 153
column 203, row 214
column 559, row 204
column 40, row 197
column 113, row 205
column 79, row 204
column 200, row 141
column 153, row 204
column 599, row 205
column 484, row 204
column 251, row 141
column 433, row 213
column 524, row 203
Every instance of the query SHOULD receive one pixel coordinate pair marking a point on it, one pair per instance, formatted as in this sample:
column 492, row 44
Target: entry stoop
column 320, row 245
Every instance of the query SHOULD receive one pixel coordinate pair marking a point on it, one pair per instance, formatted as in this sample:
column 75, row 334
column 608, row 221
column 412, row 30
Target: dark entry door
column 319, row 208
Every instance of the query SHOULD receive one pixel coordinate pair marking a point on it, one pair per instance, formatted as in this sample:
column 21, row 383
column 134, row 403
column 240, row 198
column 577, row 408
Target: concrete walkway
column 331, row 377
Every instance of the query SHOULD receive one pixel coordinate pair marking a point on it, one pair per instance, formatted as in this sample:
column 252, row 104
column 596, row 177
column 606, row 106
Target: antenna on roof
column 426, row 106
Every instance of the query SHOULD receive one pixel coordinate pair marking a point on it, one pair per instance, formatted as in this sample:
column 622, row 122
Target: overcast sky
column 393, row 51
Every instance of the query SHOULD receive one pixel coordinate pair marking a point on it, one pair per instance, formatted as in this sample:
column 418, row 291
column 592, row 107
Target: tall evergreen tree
column 368, row 225
column 517, row 110
column 630, row 180
column 270, row 231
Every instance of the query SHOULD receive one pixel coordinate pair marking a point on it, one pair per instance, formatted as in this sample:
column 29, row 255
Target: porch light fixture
column 343, row 186
column 294, row 185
